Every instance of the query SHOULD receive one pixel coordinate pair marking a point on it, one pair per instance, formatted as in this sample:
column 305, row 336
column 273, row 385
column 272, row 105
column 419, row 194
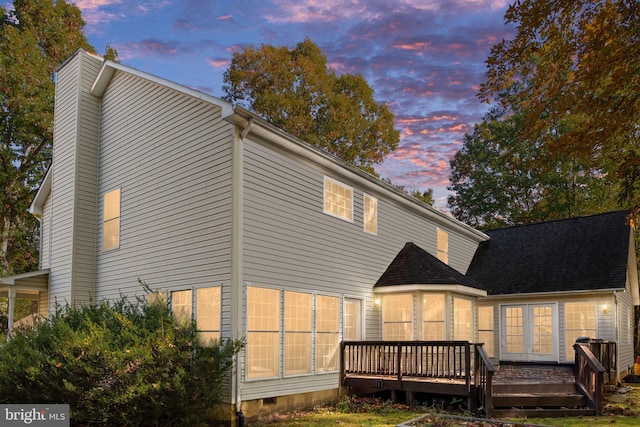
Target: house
column 257, row 234
column 554, row 282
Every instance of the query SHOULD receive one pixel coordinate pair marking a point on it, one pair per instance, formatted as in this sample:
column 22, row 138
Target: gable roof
column 576, row 254
column 415, row 266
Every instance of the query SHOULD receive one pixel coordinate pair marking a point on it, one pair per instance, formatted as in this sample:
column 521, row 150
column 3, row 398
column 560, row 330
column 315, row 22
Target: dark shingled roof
column 585, row 253
column 413, row 265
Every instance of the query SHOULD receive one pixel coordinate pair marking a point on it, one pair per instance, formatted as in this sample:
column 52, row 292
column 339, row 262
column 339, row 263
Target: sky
column 424, row 58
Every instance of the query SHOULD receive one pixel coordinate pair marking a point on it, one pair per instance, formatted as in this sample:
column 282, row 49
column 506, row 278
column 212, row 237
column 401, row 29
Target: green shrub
column 117, row 364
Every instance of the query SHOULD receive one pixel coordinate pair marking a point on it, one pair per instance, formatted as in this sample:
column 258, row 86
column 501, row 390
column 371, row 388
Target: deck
column 463, row 369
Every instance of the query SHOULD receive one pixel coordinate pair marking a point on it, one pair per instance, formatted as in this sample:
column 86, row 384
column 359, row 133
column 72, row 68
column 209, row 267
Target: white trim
column 41, row 195
column 548, row 295
column 459, row 289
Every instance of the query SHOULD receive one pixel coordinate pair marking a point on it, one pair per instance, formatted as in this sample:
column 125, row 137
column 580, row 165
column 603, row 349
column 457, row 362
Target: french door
column 529, row 332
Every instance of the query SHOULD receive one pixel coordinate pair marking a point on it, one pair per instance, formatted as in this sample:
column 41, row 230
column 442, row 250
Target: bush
column 117, row 364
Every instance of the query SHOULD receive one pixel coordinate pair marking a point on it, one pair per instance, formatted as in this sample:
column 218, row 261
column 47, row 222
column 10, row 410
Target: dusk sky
column 424, row 58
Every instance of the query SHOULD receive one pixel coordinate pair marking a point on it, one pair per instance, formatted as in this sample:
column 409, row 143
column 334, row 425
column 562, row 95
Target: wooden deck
column 462, row 369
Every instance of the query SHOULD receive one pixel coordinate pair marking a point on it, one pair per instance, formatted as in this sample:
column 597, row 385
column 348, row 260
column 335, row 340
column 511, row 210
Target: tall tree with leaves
column 295, row 90
column 35, row 37
column 576, row 64
column 496, row 179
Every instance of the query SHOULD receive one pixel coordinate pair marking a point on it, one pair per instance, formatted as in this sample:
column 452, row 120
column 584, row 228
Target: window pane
column 327, row 352
column 297, row 312
column 262, row 354
column 208, row 312
column 263, row 309
column 181, row 304
column 327, row 315
column 297, row 354
column 111, row 237
column 112, row 204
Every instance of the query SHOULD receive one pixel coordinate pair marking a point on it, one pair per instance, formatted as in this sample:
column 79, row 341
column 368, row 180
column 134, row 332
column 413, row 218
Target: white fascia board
column 458, row 289
column 259, row 127
column 109, row 68
column 41, row 195
column 556, row 294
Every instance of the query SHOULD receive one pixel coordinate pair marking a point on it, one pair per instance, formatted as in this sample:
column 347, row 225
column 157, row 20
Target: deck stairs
column 521, row 390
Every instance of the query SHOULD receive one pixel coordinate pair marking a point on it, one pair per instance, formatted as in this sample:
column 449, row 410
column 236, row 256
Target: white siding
column 171, row 156
column 73, row 185
column 290, row 243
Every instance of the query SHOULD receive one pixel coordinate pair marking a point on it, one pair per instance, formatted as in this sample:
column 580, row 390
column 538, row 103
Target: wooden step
column 535, row 388
column 542, row 412
column 535, row 400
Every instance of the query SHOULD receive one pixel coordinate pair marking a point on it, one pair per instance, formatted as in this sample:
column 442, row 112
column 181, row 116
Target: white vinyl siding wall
column 291, row 243
column 171, row 156
column 74, row 183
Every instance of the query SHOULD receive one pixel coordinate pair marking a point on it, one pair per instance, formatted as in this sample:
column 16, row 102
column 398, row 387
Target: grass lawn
column 621, row 409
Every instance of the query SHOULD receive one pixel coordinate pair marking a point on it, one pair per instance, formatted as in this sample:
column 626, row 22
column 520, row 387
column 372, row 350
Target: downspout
column 237, row 262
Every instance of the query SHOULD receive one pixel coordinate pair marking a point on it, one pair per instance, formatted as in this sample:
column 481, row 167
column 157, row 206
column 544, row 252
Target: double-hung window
column 370, row 214
column 327, row 333
column 111, row 220
column 263, row 332
column 443, row 246
column 338, row 199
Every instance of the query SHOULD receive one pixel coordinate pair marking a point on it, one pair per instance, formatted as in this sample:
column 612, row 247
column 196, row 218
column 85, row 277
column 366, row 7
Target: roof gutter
column 554, row 294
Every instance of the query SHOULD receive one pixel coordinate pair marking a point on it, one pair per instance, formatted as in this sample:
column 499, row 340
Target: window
column 351, row 322
column 338, row 199
column 397, row 317
column 207, row 309
column 297, row 333
column 580, row 321
column 208, row 313
column 370, row 214
column 433, row 317
column 263, row 314
column 443, row 246
column 485, row 329
column 462, row 319
column 111, row 220
column 327, row 333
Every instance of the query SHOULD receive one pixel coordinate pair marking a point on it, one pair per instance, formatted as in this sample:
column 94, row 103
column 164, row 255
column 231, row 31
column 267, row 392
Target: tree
column 496, row 179
column 35, row 37
column 575, row 64
column 124, row 363
column 296, row 91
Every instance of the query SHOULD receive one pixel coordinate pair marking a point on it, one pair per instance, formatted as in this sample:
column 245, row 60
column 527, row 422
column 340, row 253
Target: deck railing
column 483, row 379
column 427, row 359
column 590, row 376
